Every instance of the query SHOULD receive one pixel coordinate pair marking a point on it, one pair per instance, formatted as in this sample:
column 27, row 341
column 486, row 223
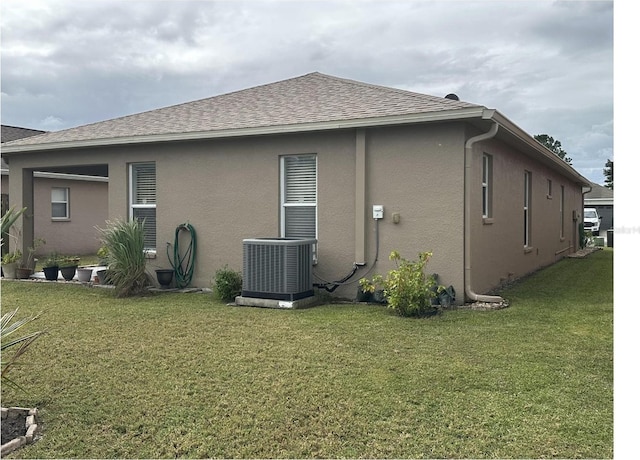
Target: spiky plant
column 13, row 347
column 127, row 265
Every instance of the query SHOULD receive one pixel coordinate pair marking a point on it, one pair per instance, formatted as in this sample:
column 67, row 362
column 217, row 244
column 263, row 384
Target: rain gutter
column 468, row 163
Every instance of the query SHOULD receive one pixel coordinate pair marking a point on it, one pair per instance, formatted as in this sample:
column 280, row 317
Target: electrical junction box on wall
column 378, row 211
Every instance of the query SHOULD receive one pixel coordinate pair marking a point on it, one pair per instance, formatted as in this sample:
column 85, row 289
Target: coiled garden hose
column 183, row 263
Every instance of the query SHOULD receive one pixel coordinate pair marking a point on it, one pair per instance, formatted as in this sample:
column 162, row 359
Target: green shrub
column 227, row 284
column 408, row 291
column 127, row 262
column 12, row 257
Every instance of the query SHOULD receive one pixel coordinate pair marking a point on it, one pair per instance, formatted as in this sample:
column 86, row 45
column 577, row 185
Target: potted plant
column 10, row 264
column 27, row 266
column 51, row 266
column 406, row 289
column 68, row 266
column 165, row 276
column 10, row 260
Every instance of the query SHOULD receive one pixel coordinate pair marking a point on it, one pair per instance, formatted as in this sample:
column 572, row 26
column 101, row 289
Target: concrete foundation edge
column 271, row 303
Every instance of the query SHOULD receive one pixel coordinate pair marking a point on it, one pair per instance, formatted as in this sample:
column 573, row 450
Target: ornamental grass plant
column 127, row 265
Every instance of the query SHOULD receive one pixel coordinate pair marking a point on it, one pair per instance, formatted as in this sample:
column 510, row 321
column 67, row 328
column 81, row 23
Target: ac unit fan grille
column 277, row 268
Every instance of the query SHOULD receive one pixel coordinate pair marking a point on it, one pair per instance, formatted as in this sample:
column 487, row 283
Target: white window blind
column 143, row 199
column 299, row 195
column 144, row 183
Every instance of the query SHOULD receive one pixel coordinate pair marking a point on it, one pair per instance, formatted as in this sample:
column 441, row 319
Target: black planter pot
column 50, row 273
column 68, row 272
column 363, row 296
column 102, row 276
column 165, row 276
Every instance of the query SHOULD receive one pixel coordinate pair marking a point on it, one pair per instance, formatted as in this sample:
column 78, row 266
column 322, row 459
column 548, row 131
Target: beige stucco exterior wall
column 417, row 172
column 229, row 190
column 498, row 252
column 87, row 209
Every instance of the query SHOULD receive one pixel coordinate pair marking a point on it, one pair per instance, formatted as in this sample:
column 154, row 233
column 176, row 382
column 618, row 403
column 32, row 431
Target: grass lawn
column 182, row 375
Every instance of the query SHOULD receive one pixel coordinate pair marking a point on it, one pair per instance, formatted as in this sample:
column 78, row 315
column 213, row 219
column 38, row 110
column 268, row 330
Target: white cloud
column 545, row 65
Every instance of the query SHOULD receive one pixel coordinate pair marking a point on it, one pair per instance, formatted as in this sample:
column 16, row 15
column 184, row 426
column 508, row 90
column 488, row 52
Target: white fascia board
column 598, row 201
column 65, row 176
column 528, row 139
column 450, row 115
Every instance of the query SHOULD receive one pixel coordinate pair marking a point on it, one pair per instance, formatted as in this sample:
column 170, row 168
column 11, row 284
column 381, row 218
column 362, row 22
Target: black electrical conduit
column 183, row 271
column 331, row 286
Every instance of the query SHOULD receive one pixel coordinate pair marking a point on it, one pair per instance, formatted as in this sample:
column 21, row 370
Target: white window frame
column 562, row 212
column 487, row 186
column 132, row 194
column 527, row 209
column 67, row 213
column 307, row 202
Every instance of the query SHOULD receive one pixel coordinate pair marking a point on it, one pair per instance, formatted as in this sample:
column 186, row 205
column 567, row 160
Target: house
column 67, row 206
column 601, row 198
column 309, row 157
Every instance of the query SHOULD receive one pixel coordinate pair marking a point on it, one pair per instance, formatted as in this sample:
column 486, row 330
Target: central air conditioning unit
column 277, row 268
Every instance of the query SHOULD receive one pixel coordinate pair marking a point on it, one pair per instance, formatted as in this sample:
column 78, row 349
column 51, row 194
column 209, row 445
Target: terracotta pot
column 23, row 273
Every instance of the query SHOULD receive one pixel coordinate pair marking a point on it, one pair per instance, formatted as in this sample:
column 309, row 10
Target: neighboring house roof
column 11, row 133
column 598, row 195
column 310, row 102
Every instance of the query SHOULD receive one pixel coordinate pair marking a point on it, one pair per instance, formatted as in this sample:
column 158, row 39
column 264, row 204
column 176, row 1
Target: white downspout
column 468, row 163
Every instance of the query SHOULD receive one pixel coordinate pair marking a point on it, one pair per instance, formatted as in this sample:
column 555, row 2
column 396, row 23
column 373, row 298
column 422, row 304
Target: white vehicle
column 592, row 220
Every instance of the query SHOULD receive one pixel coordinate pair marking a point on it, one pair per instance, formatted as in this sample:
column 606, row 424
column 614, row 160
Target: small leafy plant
column 227, row 284
column 103, row 255
column 52, row 260
column 12, row 257
column 69, row 261
column 408, row 291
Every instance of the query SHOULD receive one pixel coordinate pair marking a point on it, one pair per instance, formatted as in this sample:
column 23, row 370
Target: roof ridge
column 381, row 87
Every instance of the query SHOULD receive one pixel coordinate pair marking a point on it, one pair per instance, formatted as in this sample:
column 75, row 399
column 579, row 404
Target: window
column 527, row 209
column 60, row 203
column 298, row 194
column 562, row 211
column 142, row 199
column 549, row 188
column 487, row 185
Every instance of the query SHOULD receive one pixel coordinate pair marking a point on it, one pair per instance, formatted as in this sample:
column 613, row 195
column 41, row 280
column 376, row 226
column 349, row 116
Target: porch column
column 20, row 196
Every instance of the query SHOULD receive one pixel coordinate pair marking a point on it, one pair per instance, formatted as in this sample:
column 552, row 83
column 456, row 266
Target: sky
column 545, row 65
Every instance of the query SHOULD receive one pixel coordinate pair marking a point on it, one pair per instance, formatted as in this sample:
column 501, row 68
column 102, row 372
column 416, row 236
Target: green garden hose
column 183, row 265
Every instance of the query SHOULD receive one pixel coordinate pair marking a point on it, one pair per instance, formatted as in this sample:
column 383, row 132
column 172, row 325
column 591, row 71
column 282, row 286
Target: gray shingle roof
column 598, row 191
column 311, row 98
column 11, row 133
